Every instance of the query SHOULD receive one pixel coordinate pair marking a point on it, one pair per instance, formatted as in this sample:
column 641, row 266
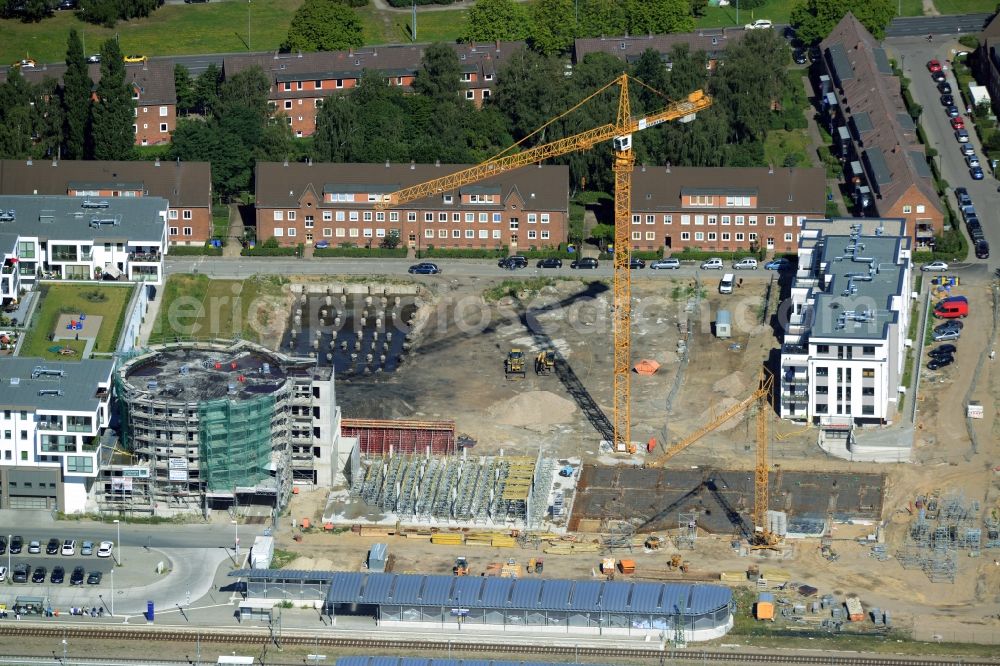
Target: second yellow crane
column 620, row 133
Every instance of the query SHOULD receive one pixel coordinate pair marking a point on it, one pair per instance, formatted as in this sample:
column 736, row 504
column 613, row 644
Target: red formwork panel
column 378, row 437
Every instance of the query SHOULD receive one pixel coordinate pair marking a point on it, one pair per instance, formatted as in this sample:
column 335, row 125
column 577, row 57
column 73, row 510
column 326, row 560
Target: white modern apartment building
column 80, row 238
column 844, row 346
column 53, row 414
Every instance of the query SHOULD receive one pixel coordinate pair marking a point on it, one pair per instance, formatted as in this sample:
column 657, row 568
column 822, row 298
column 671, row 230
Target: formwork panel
column 377, row 437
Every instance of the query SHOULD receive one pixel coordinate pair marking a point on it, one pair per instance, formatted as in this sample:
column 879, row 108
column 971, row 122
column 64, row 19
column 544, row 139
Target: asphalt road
column 912, row 26
column 133, row 536
column 913, row 54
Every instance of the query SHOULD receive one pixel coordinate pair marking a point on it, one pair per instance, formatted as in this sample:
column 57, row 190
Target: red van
column 952, row 308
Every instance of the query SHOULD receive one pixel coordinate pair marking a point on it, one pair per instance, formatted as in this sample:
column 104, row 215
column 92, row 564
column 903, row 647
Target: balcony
column 63, row 256
column 147, row 257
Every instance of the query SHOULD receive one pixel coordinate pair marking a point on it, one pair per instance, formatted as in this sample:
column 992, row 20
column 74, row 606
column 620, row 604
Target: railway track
column 252, row 637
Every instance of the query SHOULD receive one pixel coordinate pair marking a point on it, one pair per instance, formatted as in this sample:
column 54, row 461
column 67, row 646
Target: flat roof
column 41, row 385
column 100, row 219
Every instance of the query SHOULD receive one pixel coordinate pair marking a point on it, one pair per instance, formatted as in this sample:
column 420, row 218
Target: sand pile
column 731, row 385
column 533, row 408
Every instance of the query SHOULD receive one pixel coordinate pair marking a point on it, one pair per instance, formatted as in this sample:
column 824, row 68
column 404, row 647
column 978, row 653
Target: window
column 822, row 349
column 668, row 219
column 291, row 231
column 532, row 218
column 442, row 217
column 921, row 208
column 685, row 219
column 327, row 232
column 532, row 234
column 466, row 76
column 752, row 237
column 448, row 198
column 484, row 217
column 740, row 220
column 752, row 220
column 486, row 93
column 496, row 218
column 868, row 410
column 699, row 235
column 769, row 220
column 411, row 217
column 725, row 220
column 442, row 233
column 470, row 94
column 317, row 85
column 822, row 372
column 163, row 111
column 310, row 222
column 868, row 373
column 367, row 233
column 739, row 237
column 187, row 215
column 340, row 83
column 173, row 231
column 456, row 233
column 907, row 210
column 393, row 216
column 636, row 219
column 288, row 104
column 636, row 235
column 187, row 231
column 279, row 215
column 163, row 127
column 725, row 235
column 699, row 220
column 327, row 216
column 291, row 215
column 470, row 233
column 737, row 202
column 650, row 219
column 340, row 216
column 496, row 234
column 788, row 238
column 713, row 220
column 513, row 223
column 545, row 234
column 484, row 234
column 711, row 235
column 428, row 217
column 650, row 235
column 701, row 200
column 341, row 232
column 428, row 233
column 367, row 216
column 172, row 214
column 787, row 220
column 353, row 233
column 685, row 235
column 545, row 218
column 353, row 217
column 278, row 232
column 380, row 216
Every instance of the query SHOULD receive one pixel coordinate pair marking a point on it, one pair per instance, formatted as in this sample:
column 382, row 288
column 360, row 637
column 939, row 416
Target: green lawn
column 394, row 27
column 197, row 307
column 720, row 17
column 220, row 221
column 965, row 6
column 214, row 27
column 95, row 300
column 782, row 143
column 914, row 7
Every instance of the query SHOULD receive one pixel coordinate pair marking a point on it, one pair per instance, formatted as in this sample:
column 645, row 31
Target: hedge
column 373, row 253
column 464, row 253
column 697, row 255
column 645, row 255
column 270, row 248
column 205, row 250
column 407, row 3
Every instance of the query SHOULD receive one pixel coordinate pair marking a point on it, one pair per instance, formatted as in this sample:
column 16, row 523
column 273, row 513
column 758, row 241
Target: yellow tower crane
column 762, row 536
column 620, row 132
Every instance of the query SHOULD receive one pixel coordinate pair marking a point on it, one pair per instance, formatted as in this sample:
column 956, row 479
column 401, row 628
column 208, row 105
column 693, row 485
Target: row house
column 187, row 187
column 885, row 164
column 153, row 93
column 713, row 42
column 844, row 345
column 300, row 82
column 312, row 202
column 723, row 208
column 79, row 238
column 53, row 414
column 986, row 61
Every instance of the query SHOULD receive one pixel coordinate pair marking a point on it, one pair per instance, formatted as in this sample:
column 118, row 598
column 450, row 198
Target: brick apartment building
column 187, row 186
column 885, row 163
column 153, row 93
column 986, row 63
column 712, row 41
column 723, row 209
column 301, row 81
column 309, row 202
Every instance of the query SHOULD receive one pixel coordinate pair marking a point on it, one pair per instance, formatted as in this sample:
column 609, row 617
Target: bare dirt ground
column 455, row 370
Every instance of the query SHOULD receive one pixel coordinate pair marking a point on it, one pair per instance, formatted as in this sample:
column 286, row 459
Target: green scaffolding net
column 235, row 438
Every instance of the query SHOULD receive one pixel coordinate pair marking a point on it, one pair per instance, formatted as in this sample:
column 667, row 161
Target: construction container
column 626, row 566
column 974, row 410
column 886, row 619
column 377, row 557
column 764, row 608
column 723, row 324
column 608, row 565
column 855, row 612
column 814, row 607
column 262, row 552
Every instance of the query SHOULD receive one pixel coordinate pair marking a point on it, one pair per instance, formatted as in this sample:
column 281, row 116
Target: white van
column 726, row 283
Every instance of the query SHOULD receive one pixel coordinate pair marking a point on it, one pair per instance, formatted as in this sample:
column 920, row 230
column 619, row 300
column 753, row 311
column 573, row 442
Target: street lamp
column 236, row 527
column 10, row 537
column 112, row 591
column 118, row 524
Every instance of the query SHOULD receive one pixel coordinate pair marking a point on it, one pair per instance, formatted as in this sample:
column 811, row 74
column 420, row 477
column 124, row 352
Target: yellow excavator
column 545, row 362
column 513, row 367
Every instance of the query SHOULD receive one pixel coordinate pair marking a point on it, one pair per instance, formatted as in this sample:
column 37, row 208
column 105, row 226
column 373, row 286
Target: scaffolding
column 944, row 525
column 482, row 490
column 687, row 531
column 235, row 440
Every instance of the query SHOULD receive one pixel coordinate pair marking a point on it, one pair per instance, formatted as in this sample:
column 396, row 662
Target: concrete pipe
column 385, row 346
column 343, row 298
column 336, row 321
column 382, row 358
column 315, row 344
column 329, row 356
column 357, row 345
column 329, row 300
column 364, row 322
column 319, row 334
column 388, row 335
column 322, row 313
column 368, row 300
column 343, row 345
column 354, row 357
column 369, row 357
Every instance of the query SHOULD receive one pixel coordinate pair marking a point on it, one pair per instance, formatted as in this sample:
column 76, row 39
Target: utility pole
column 249, row 3
column 414, row 22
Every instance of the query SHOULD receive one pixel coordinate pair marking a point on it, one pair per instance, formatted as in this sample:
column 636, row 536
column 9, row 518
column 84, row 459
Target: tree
column 75, row 99
column 602, row 233
column 602, row 17
column 324, row 25
column 530, row 91
column 440, row 73
column 184, row 85
column 109, row 12
column 490, row 20
column 16, row 122
column 553, row 26
column 113, row 135
column 698, row 8
column 814, row 19
column 651, row 17
column 245, row 90
column 207, row 88
column 30, row 11
column 391, row 240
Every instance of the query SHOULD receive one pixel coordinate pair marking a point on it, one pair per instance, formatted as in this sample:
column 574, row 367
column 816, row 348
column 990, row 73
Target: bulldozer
column 513, row 367
column 461, row 567
column 545, row 362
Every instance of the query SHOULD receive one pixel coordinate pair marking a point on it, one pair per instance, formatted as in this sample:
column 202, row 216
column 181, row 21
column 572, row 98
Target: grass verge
column 782, row 145
column 105, row 301
column 517, row 289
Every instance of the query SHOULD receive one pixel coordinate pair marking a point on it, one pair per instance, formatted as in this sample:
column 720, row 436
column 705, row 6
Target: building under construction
column 210, row 426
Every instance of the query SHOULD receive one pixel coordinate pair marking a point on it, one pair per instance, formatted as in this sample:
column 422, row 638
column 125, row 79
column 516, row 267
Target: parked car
column 635, row 263
column 58, row 575
column 947, row 100
column 67, row 4
column 745, row 264
column 759, row 24
column 966, row 150
column 982, row 249
column 3, row 545
column 517, row 261
column 938, row 77
column 968, row 210
column 949, row 334
column 962, row 135
column 939, row 362
column 94, row 578
column 69, row 547
column 779, row 264
column 34, row 547
column 957, row 123
column 942, row 350
column 549, row 263
column 949, row 326
column 935, row 266
column 3, row 574
column 135, row 58
column 800, row 57
column 585, row 262
column 22, row 572
column 39, row 575
column 104, row 550
column 52, row 547
column 26, row 63
column 713, row 264
column 16, row 543
column 953, row 112
column 665, row 264
column 972, row 160
column 944, row 88
column 977, row 173
column 726, row 283
column 76, row 578
column 934, row 65
column 953, row 307
column 322, row 245
column 96, row 57
column 87, row 548
column 425, row 268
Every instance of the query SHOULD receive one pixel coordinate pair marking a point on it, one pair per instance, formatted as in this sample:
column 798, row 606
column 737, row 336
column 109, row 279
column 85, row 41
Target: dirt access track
column 454, row 370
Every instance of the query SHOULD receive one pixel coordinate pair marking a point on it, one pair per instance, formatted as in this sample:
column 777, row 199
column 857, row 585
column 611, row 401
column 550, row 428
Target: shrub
column 698, row 255
column 374, row 252
column 461, row 253
column 270, row 248
column 205, row 250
